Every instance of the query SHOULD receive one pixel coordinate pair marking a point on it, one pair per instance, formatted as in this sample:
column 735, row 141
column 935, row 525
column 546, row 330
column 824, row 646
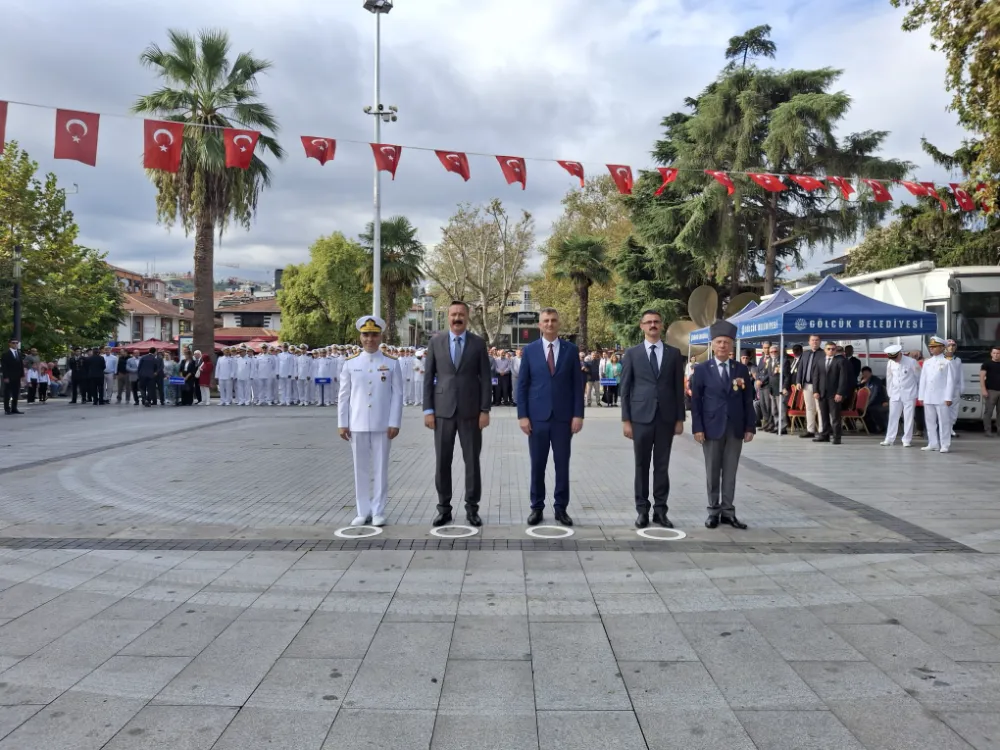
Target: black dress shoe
column 563, row 518
column 535, row 517
column 712, row 522
column 836, row 441
column 821, row 439
column 442, row 518
column 734, row 522
column 473, row 518
column 642, row 520
column 807, row 435
column 660, row 518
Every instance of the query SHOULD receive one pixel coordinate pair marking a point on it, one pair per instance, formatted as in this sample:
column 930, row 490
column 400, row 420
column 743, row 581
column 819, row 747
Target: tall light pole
column 381, row 114
column 17, row 292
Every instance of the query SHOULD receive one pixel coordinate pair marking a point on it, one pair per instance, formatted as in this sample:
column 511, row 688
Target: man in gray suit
column 652, row 399
column 458, row 394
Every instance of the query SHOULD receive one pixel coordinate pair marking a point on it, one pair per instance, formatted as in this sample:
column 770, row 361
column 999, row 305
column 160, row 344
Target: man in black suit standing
column 652, row 399
column 148, row 366
column 76, row 375
column 834, row 388
column 12, row 369
column 458, row 395
column 94, row 365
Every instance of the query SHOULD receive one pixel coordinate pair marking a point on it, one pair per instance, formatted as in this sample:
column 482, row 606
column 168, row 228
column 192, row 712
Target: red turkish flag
column 76, row 136
column 669, row 174
column 963, row 199
column 770, row 182
column 239, row 147
column 162, row 144
column 455, row 161
column 807, row 183
column 723, row 179
column 387, row 157
column 3, row 124
column 514, row 170
column 915, row 188
column 575, row 168
column 320, row 149
column 882, row 193
column 843, row 184
column 986, row 206
column 622, row 175
column 933, row 193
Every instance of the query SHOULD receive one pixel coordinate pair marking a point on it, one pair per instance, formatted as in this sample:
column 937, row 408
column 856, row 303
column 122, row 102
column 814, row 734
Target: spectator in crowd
column 877, row 411
column 989, row 387
column 204, row 374
column 132, row 370
column 187, row 370
column 613, row 370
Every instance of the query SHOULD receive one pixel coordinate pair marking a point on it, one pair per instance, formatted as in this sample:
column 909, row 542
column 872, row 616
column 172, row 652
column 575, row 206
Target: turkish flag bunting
column 770, row 182
column 575, row 168
column 962, row 197
column 807, row 183
column 239, row 147
column 455, row 161
column 161, row 145
column 933, row 193
column 882, row 193
column 76, row 136
column 669, row 174
column 622, row 175
column 723, row 179
column 915, row 188
column 981, row 187
column 514, row 170
column 3, row 124
column 387, row 157
column 843, row 184
column 320, row 149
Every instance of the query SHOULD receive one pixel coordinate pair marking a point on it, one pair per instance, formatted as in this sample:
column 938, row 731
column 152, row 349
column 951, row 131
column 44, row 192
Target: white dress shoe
column 906, row 445
column 378, row 520
column 885, row 442
column 946, row 450
column 929, row 448
column 359, row 521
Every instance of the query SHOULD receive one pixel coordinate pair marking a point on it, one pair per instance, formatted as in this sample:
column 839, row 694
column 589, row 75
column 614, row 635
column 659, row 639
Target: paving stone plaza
column 173, row 578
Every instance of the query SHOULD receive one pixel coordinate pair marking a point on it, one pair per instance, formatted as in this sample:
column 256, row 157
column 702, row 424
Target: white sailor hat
column 936, row 340
column 370, row 324
column 893, row 350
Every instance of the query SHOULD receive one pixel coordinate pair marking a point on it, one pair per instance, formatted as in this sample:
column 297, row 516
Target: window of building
column 137, row 328
column 166, row 329
column 251, row 320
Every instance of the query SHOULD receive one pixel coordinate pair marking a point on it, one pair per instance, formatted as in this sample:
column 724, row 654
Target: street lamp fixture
column 378, row 6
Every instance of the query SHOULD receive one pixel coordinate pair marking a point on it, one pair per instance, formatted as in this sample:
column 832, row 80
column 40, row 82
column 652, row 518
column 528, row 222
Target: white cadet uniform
column 956, row 396
column 937, row 385
column 418, row 379
column 286, row 370
column 322, row 368
column 224, row 374
column 303, row 368
column 406, row 366
column 902, row 380
column 263, row 375
column 244, row 376
column 371, row 401
column 336, row 362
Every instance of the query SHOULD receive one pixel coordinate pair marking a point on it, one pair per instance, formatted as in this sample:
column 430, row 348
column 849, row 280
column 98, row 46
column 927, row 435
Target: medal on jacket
column 383, row 370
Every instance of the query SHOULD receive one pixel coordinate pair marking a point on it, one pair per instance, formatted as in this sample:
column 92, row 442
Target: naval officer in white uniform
column 369, row 413
column 937, row 389
column 902, row 379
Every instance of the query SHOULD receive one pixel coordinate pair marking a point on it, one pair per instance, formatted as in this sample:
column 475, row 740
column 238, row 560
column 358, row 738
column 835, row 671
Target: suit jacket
column 716, row 408
column 645, row 398
column 94, row 366
column 772, row 381
column 835, row 379
column 12, row 366
column 806, row 362
column 542, row 397
column 463, row 392
column 147, row 366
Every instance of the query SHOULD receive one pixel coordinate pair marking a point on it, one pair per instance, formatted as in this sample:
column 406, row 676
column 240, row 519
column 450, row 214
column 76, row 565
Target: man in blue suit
column 723, row 419
column 550, row 411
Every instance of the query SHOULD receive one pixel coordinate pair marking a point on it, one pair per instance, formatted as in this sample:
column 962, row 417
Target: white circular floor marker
column 648, row 534
column 566, row 532
column 469, row 531
column 342, row 533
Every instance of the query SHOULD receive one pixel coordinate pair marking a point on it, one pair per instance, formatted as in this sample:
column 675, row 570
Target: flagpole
column 377, row 225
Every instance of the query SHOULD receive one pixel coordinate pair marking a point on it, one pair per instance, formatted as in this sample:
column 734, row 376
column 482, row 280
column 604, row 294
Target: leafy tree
column 480, row 259
column 321, row 300
column 202, row 88
column 582, row 259
column 69, row 295
column 402, row 257
column 968, row 32
column 752, row 43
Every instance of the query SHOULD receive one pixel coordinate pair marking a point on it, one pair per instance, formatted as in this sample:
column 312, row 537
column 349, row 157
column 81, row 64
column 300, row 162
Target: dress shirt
column 723, row 366
column 555, row 349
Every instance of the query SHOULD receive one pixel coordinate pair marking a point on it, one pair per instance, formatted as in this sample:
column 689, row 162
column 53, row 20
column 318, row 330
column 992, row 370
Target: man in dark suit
column 834, row 388
column 457, row 400
column 12, row 370
column 652, row 398
column 722, row 419
column 94, row 366
column 550, row 411
column 148, row 366
column 76, row 374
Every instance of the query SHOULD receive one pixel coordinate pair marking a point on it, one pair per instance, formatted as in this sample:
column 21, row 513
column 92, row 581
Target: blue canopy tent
column 834, row 311
column 700, row 336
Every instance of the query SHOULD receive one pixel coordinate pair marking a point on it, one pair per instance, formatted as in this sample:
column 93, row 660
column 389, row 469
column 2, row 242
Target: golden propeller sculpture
column 702, row 306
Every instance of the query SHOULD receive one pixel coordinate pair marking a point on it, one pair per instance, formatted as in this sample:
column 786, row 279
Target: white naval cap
column 893, row 350
column 370, row 324
column 937, row 340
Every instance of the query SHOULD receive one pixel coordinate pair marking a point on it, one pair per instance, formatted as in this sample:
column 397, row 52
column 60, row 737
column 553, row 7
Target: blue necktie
column 653, row 363
column 456, row 353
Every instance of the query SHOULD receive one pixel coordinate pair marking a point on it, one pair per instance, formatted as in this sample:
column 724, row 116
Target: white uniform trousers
column 953, row 412
column 225, row 391
column 418, row 389
column 261, row 390
column 285, row 387
column 407, row 390
column 305, row 391
column 371, row 467
column 937, row 418
column 897, row 408
column 814, row 417
column 324, row 394
column 242, row 392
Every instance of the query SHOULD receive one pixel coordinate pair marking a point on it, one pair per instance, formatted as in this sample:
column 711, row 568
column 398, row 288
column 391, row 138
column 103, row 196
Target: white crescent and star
column 324, row 144
column 82, row 124
column 514, row 164
column 244, row 137
column 163, row 147
column 623, row 172
column 389, row 151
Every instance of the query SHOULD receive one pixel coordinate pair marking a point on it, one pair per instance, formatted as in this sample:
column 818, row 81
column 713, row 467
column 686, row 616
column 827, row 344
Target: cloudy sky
column 587, row 80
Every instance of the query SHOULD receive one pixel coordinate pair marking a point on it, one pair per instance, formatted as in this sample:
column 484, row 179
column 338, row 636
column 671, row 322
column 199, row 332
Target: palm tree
column 583, row 260
column 402, row 258
column 752, row 43
column 203, row 89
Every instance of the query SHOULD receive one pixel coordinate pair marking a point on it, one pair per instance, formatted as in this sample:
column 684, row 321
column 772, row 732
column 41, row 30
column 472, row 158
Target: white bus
column 966, row 301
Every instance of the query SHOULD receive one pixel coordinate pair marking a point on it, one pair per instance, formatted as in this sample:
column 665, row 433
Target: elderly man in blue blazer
column 722, row 419
column 550, row 411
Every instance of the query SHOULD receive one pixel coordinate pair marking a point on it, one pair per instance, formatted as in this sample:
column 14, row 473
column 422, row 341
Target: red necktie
column 552, row 361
